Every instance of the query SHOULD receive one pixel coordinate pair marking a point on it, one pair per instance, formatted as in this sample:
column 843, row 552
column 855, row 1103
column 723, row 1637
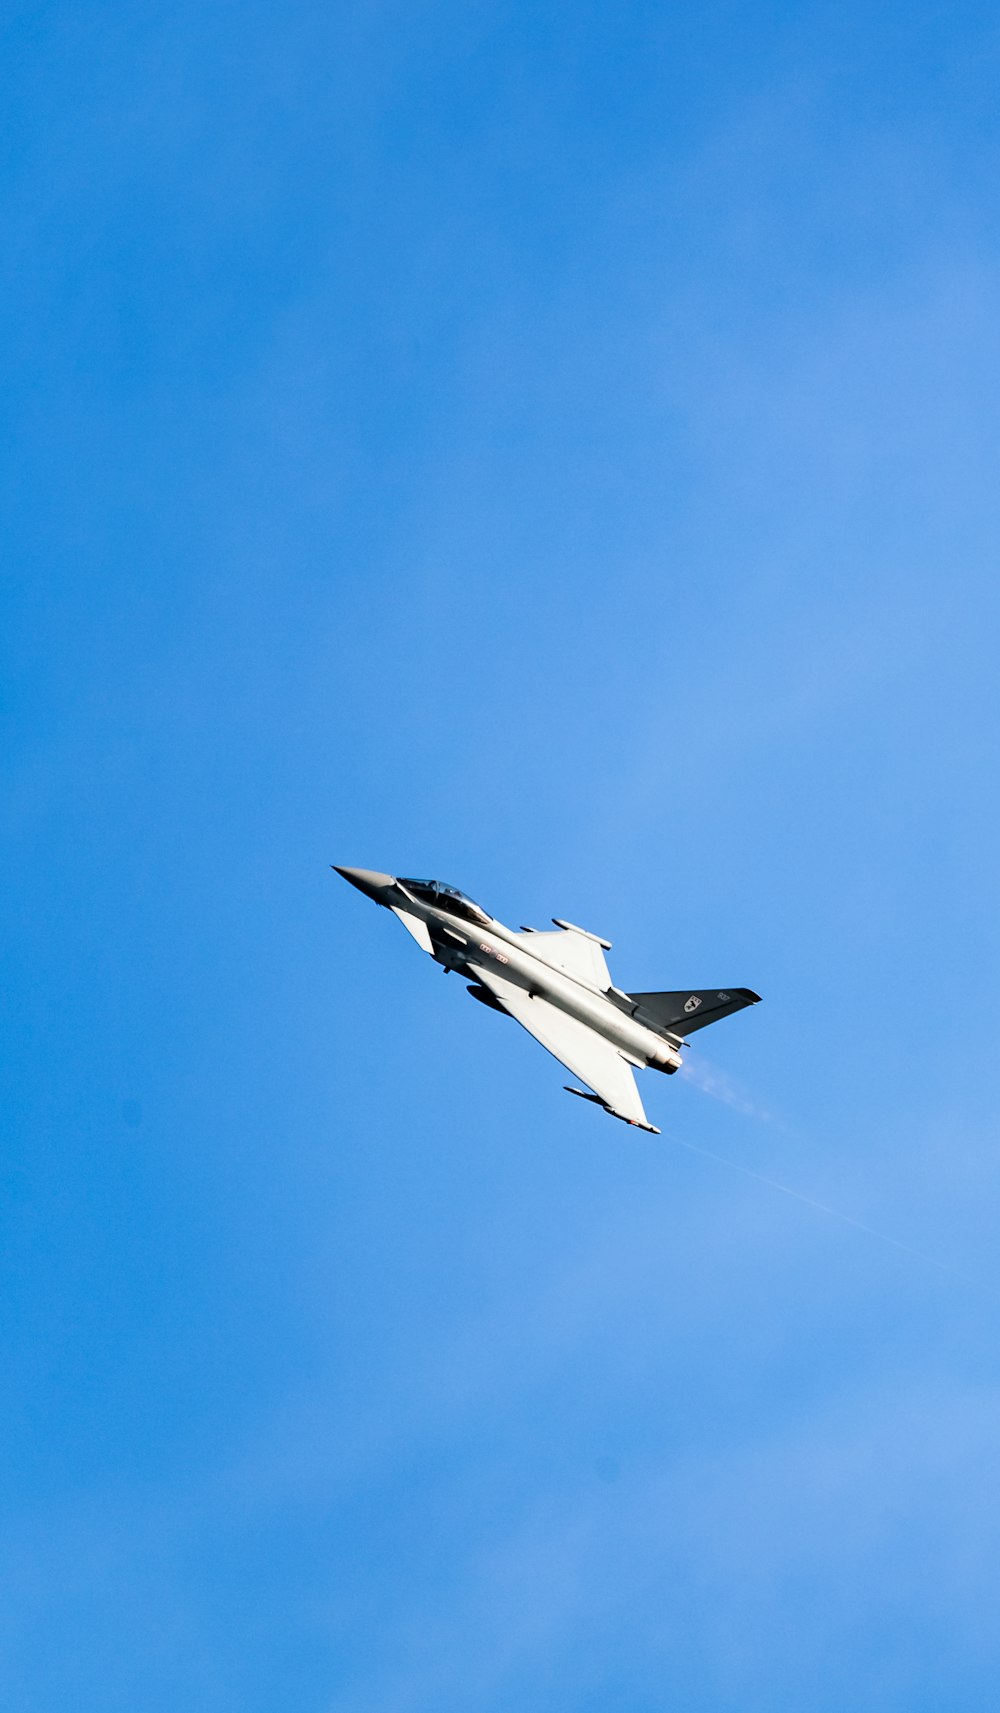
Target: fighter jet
column 557, row 986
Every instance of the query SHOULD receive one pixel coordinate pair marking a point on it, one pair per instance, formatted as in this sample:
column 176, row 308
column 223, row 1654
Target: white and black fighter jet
column 557, row 986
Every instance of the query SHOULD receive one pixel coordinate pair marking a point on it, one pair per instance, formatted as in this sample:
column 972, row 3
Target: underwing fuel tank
column 485, row 997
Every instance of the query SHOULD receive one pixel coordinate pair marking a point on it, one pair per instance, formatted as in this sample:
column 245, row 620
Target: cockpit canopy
column 441, row 897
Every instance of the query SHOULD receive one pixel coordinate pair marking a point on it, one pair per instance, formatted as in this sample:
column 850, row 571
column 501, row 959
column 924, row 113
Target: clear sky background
column 554, row 449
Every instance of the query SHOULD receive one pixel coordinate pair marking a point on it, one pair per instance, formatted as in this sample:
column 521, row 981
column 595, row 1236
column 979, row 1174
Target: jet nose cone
column 368, row 881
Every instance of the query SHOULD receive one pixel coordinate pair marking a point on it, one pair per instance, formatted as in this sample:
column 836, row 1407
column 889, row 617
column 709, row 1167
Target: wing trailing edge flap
column 595, row 1061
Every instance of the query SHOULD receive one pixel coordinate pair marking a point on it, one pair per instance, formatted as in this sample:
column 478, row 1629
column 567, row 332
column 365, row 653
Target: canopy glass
column 442, row 897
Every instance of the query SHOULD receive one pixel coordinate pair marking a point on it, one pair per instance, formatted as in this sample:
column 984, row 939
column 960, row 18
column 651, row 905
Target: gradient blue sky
column 554, row 449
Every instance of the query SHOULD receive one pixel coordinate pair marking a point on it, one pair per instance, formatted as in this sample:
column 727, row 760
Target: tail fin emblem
column 692, row 1004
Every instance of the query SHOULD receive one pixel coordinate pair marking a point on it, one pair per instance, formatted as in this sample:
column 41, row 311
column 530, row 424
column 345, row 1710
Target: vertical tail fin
column 689, row 1009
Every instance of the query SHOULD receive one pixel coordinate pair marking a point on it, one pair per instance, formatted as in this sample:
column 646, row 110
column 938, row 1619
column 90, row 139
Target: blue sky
column 553, row 449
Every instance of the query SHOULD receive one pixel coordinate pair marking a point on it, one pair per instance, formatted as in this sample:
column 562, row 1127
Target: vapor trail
column 820, row 1206
column 703, row 1075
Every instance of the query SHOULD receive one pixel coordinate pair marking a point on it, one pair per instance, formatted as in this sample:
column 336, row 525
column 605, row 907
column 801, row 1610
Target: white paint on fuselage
column 495, row 948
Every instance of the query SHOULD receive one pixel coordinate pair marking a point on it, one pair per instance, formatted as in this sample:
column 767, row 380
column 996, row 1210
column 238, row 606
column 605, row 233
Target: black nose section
column 368, row 881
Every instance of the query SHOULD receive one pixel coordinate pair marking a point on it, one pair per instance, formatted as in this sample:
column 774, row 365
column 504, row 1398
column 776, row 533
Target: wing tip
column 636, row 1123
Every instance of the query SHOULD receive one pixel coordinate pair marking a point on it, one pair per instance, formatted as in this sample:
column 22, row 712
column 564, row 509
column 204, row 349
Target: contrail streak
column 820, row 1206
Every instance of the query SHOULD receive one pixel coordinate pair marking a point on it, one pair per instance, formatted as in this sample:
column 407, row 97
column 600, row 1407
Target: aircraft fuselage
column 468, row 947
